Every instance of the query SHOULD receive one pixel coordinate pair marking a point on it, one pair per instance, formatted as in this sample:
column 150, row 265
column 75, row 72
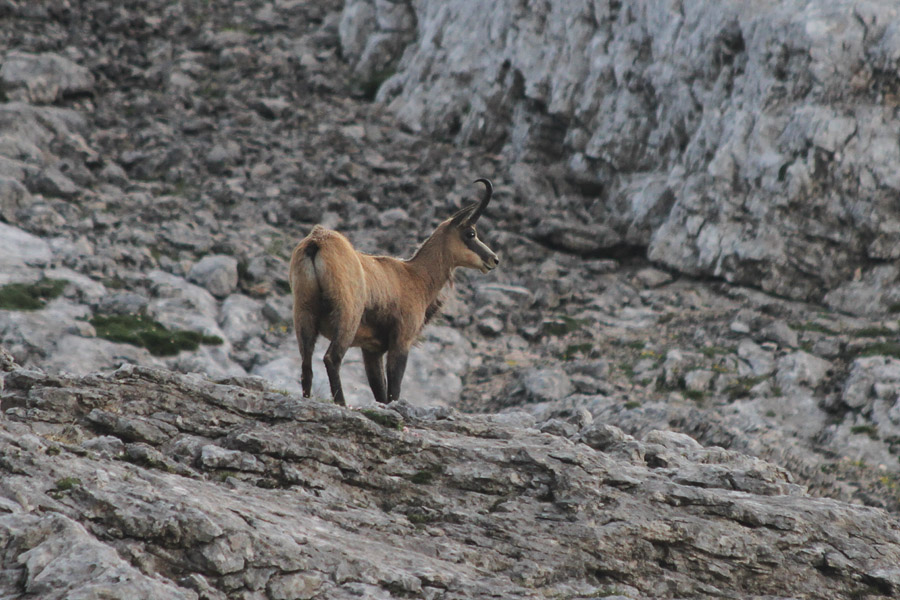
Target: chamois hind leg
column 375, row 374
column 307, row 332
column 396, row 366
column 346, row 326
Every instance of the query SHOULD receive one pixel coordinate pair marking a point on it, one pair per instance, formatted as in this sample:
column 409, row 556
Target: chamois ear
column 469, row 215
column 463, row 215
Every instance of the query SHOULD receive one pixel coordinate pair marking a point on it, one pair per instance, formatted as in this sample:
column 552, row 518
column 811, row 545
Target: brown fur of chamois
column 377, row 303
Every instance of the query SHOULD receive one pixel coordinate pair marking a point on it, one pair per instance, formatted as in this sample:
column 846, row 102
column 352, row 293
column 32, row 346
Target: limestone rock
column 42, row 78
column 13, row 197
column 711, row 134
column 216, row 273
column 296, row 497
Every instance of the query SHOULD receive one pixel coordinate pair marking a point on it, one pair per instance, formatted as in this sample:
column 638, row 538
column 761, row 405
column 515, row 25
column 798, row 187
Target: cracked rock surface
column 148, row 483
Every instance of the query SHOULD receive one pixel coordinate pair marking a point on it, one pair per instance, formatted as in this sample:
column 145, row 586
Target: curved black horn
column 489, row 191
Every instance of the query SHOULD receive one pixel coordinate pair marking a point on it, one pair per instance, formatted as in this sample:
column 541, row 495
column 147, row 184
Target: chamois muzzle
column 489, row 262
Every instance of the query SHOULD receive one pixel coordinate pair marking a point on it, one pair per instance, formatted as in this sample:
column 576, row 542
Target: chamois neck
column 433, row 264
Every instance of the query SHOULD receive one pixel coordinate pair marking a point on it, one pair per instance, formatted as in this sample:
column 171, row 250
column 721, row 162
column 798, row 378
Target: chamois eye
column 470, row 233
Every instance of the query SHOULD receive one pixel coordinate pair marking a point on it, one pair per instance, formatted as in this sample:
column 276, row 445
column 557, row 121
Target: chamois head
column 462, row 238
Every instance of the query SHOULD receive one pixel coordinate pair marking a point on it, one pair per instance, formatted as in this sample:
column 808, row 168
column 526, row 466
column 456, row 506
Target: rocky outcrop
column 170, row 187
column 144, row 482
column 758, row 146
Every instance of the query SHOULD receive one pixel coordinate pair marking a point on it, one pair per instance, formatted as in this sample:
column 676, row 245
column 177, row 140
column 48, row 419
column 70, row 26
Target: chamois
column 378, row 303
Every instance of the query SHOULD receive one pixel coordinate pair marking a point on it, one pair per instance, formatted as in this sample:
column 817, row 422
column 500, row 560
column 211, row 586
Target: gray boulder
column 216, row 273
column 42, row 78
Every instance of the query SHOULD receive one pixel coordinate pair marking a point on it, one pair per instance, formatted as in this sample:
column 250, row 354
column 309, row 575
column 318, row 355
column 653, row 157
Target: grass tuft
column 873, row 332
column 891, row 349
column 814, row 327
column 868, row 430
column 67, row 483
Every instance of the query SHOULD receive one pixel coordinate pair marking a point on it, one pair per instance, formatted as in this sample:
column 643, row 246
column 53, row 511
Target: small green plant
column 144, row 332
column 52, row 451
column 770, row 414
column 66, row 483
column 632, row 404
column 627, row 369
column 868, row 430
column 713, row 351
column 31, row 296
column 561, row 325
column 426, row 476
column 697, row 396
column 115, row 283
column 370, row 86
column 872, row 332
column 573, row 350
column 383, row 418
column 419, row 518
column 740, row 388
column 224, row 474
column 814, row 327
column 881, row 349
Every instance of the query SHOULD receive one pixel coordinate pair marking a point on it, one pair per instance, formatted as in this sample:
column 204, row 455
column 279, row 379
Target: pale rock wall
column 756, row 142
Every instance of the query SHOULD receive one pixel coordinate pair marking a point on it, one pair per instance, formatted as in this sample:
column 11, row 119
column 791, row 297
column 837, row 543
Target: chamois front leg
column 396, row 366
column 375, row 373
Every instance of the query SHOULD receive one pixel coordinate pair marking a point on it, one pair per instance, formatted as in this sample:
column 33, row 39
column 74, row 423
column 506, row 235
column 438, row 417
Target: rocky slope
column 160, row 159
column 752, row 142
column 145, row 483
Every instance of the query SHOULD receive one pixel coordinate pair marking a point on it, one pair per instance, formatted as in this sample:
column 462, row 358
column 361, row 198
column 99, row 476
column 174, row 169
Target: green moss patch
column 891, row 349
column 385, row 418
column 142, row 331
column 31, row 296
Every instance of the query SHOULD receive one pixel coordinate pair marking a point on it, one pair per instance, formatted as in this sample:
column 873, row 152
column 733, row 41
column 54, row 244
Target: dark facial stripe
column 475, row 246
